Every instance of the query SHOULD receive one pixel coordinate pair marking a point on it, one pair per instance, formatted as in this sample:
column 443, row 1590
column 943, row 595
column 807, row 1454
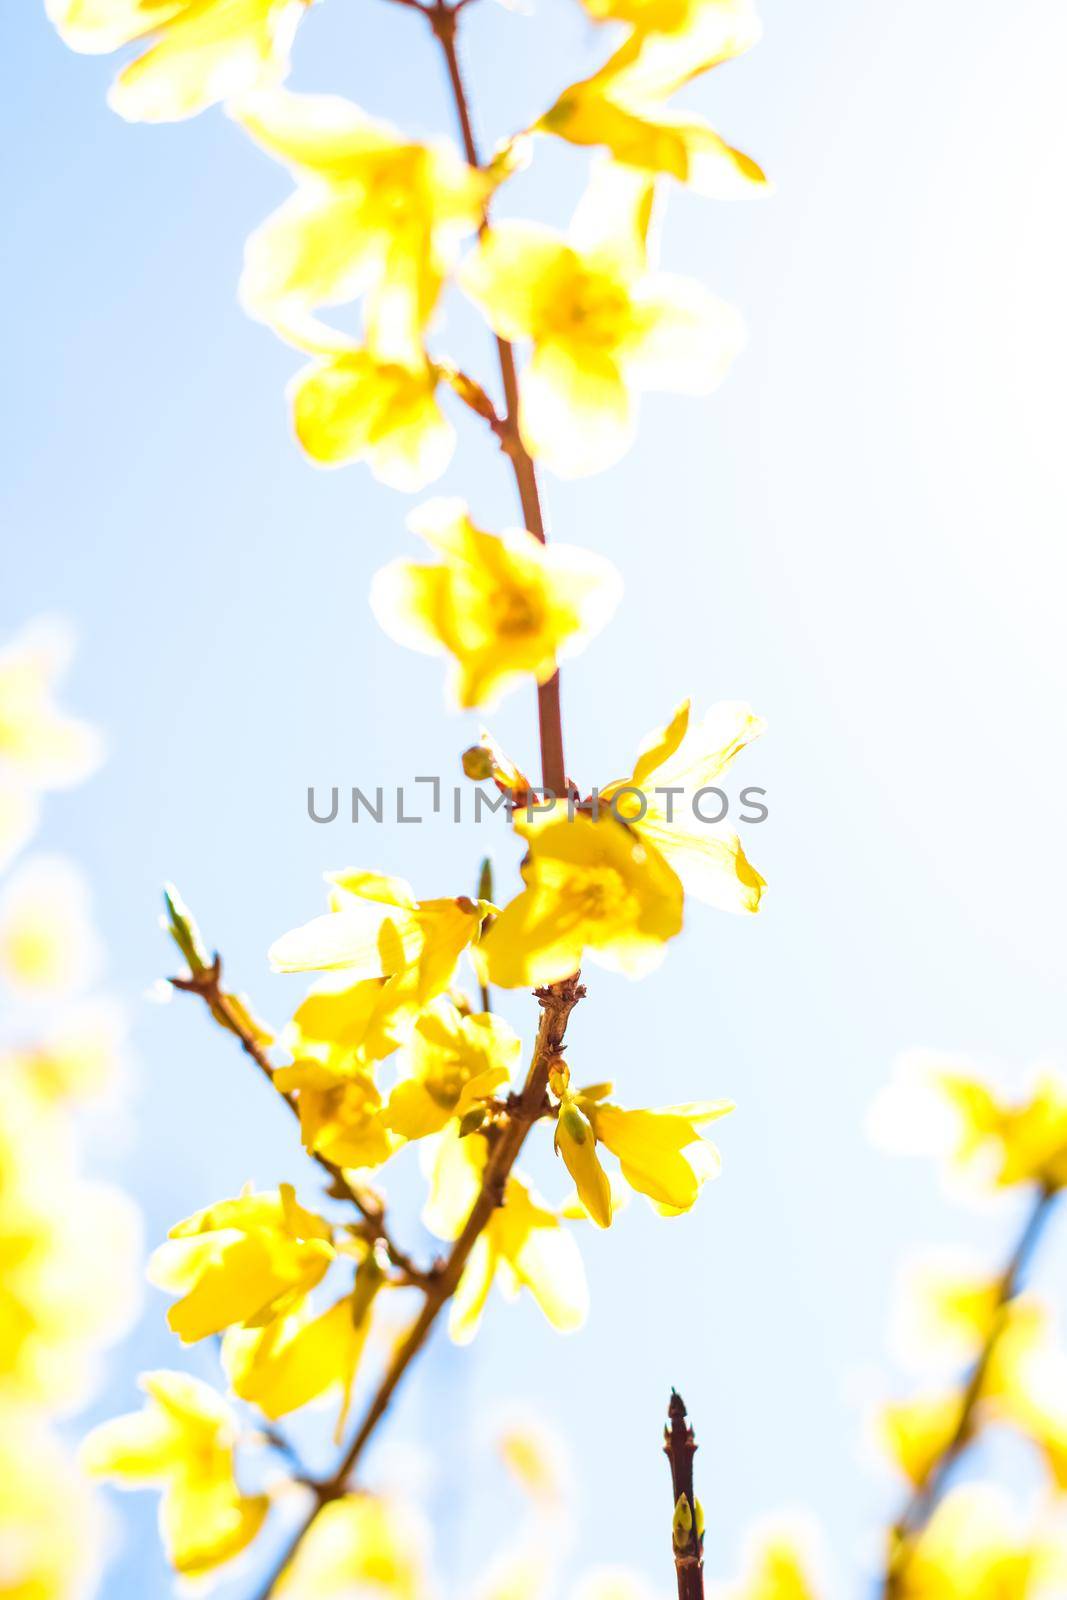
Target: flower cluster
column 389, row 1048
column 68, row 1244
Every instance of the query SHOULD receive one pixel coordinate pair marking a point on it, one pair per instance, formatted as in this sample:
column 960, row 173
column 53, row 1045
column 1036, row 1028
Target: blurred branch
column 556, row 1003
column 928, row 1492
column 687, row 1523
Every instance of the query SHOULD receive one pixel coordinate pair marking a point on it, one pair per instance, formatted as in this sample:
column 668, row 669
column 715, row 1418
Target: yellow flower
column 1026, row 1384
column 600, row 324
column 40, row 746
column 373, row 213
column 41, row 1493
column 241, row 1262
column 198, row 51
column 183, row 1440
column 341, row 1113
column 523, row 1245
column 661, row 1153
column 944, row 1312
column 68, row 1254
column 503, row 606
column 782, row 1557
column 915, row 1433
column 78, row 1058
column 47, row 942
column 621, row 106
column 363, row 1544
column 592, row 888
column 973, row 1546
column 675, row 768
column 451, row 1063
column 391, row 955
column 937, row 1105
column 299, row 1357
column 352, row 405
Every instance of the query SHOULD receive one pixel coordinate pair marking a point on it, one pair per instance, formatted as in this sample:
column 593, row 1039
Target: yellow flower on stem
column 915, row 1433
column 303, row 1356
column 361, row 1545
column 374, row 213
column 390, row 954
column 671, row 798
column 592, row 888
column 241, row 1262
column 504, row 607
column 182, row 1441
column 662, row 1153
column 351, row 405
column 452, row 1063
column 524, row 1245
column 600, row 324
column 341, row 1114
column 198, row 52
column 40, row 746
column 621, row 106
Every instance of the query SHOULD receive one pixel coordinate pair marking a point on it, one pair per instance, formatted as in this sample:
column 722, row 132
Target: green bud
column 485, row 880
column 471, row 1121
column 699, row 1518
column 682, row 1523
column 184, row 931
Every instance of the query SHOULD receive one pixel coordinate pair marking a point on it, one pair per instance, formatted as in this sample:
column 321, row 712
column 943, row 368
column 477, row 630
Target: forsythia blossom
column 197, row 53
column 502, row 606
column 600, row 324
column 184, row 1442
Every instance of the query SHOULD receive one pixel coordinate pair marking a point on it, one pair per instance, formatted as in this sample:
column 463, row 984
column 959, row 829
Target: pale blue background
column 862, row 534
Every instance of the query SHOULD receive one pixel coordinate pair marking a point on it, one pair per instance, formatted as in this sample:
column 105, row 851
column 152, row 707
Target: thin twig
column 443, row 20
column 928, row 1491
column 687, row 1536
column 557, row 1004
column 207, row 983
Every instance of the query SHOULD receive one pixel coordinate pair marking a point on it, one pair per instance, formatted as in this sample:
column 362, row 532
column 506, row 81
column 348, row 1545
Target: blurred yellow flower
column 451, row 1063
column 374, row 213
column 601, row 325
column 197, row 53
column 352, row 405
column 592, row 888
column 916, row 1432
column 363, row 1544
column 40, row 746
column 973, row 1546
column 524, row 1244
column 782, row 1562
column 183, row 1441
column 1026, row 1383
column 621, row 106
column 48, row 945
column 937, row 1105
column 78, row 1057
column 241, row 1262
column 676, row 763
column 503, row 606
column 944, row 1311
column 68, row 1254
column 50, row 1525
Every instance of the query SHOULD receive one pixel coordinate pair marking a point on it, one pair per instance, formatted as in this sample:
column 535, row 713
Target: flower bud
column 682, row 1523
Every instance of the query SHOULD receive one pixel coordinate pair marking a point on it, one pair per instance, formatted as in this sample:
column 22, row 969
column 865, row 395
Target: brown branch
column 556, row 1003
column 927, row 1493
column 207, row 983
column 443, row 20
column 687, row 1533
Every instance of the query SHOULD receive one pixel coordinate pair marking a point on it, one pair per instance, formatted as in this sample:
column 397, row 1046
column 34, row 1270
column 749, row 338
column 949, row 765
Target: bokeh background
column 862, row 533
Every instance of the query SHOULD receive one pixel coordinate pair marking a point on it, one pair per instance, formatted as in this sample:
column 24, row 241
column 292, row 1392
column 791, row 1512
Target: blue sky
column 861, row 533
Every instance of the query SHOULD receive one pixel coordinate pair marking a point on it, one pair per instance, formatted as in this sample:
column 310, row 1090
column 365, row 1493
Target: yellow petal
column 575, row 411
column 576, row 1143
